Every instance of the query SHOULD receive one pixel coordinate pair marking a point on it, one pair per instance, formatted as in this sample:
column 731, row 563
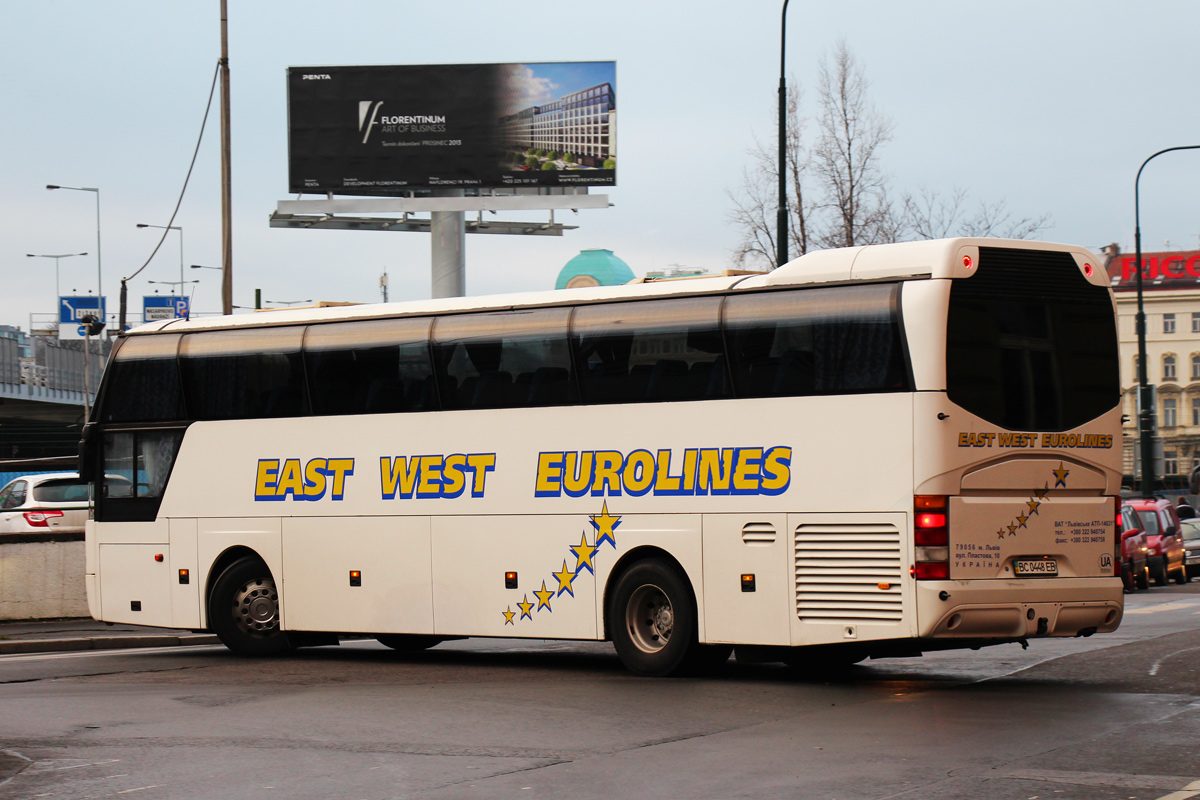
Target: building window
column 1196, row 412
column 1168, row 323
column 1195, row 367
column 1169, row 413
column 1196, row 322
column 1168, row 368
column 1137, row 376
column 1170, row 462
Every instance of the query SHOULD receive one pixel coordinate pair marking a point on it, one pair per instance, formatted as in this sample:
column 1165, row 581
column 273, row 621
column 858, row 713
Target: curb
column 102, row 643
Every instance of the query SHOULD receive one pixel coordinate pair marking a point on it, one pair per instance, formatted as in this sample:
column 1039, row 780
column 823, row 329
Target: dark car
column 1163, row 538
column 1135, row 571
column 1191, row 544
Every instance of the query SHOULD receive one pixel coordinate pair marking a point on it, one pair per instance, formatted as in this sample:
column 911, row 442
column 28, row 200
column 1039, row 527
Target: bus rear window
column 1031, row 344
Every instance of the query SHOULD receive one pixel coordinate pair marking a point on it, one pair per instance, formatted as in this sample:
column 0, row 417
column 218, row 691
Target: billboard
column 387, row 130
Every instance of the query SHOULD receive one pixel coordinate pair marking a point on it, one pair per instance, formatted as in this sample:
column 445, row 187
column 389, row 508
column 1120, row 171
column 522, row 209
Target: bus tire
column 652, row 618
column 407, row 642
column 243, row 610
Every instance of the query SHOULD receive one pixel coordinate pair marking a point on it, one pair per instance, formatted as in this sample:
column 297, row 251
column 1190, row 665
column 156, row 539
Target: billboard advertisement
column 387, row 130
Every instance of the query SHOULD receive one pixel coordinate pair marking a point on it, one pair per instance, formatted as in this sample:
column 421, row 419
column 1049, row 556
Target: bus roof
column 938, row 258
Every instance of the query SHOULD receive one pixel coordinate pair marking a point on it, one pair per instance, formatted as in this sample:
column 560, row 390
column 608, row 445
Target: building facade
column 1171, row 299
column 583, row 124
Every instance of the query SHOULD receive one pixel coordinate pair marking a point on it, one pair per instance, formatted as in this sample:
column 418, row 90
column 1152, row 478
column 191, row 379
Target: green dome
column 597, row 267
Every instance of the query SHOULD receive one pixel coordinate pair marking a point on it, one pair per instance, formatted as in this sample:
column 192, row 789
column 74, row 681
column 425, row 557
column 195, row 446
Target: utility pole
column 383, row 284
column 226, row 194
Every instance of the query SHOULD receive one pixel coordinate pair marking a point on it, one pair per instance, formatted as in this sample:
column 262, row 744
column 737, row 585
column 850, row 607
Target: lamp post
column 1146, row 410
column 99, row 273
column 171, row 228
column 781, row 219
column 57, row 291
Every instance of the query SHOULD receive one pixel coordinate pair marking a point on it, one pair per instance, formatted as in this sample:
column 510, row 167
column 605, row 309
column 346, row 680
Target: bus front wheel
column 243, row 610
column 652, row 619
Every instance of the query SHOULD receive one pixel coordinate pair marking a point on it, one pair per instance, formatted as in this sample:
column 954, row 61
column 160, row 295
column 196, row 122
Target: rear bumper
column 1046, row 607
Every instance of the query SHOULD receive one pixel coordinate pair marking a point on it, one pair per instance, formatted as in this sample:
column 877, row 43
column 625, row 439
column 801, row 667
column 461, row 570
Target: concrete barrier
column 41, row 576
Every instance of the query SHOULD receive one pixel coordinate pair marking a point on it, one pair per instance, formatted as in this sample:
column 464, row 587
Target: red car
column 1135, row 571
column 1166, row 552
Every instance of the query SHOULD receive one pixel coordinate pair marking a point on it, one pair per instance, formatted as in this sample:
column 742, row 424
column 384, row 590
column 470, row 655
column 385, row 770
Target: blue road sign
column 158, row 307
column 72, row 309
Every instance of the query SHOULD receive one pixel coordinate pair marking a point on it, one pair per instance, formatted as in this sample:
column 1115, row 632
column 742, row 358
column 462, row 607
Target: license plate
column 1036, row 567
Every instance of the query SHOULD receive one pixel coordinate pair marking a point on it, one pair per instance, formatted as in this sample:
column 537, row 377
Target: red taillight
column 931, row 571
column 967, row 262
column 1087, row 270
column 40, row 519
column 1117, row 543
column 931, row 537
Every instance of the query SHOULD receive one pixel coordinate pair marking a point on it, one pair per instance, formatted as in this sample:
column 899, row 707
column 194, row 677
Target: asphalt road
column 1114, row 716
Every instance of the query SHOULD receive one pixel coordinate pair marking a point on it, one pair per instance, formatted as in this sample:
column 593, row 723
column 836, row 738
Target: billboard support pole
column 449, row 263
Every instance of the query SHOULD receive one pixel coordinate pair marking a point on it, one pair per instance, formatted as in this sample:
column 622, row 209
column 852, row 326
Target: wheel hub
column 256, row 607
column 650, row 618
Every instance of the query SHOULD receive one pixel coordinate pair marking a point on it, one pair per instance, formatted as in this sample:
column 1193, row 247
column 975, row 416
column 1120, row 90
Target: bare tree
column 846, row 158
column 930, row 216
column 757, row 198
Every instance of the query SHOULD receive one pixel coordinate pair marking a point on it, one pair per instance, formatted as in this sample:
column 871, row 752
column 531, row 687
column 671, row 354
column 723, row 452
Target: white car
column 54, row 502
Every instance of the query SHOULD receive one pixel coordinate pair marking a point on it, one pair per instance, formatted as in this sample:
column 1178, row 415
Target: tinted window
column 142, row 382
column 650, row 351
column 244, row 374
column 61, row 490
column 14, row 494
column 371, row 367
column 841, row 340
column 505, row 360
column 138, row 463
column 1031, row 345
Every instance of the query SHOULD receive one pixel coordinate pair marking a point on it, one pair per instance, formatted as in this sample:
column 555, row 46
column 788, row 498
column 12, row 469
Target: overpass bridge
column 42, row 395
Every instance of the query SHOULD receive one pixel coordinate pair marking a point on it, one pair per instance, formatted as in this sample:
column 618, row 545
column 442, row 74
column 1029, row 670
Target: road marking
column 1106, row 779
column 125, row 651
column 1157, row 664
column 1191, row 790
column 1177, row 605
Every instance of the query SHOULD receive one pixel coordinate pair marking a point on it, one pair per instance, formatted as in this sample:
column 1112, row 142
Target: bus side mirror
column 88, row 446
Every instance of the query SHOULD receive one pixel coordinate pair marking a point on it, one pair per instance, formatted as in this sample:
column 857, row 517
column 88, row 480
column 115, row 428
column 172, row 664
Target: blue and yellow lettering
column 549, row 475
column 690, row 470
column 340, row 468
column 638, row 473
column 776, row 471
column 398, row 476
column 664, row 482
column 608, row 473
column 453, row 479
column 481, row 464
column 716, row 469
column 264, row 483
column 746, row 470
column 314, row 479
column 291, row 480
column 430, row 484
column 578, row 473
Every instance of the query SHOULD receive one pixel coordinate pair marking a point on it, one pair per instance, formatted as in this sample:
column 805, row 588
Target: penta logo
column 321, row 77
column 368, row 111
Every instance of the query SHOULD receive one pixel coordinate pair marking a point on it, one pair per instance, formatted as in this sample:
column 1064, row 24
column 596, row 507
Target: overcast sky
column 1048, row 106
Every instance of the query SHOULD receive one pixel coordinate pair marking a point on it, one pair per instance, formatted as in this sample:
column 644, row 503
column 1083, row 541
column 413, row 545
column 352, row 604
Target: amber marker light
column 158, row 557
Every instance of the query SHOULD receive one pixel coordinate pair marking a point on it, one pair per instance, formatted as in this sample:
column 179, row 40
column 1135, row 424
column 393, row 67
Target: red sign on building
column 1177, row 269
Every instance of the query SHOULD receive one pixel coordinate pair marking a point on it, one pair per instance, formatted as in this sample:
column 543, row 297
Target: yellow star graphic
column 1000, row 534
column 1041, row 493
column 1033, row 506
column 1012, row 530
column 508, row 616
column 1060, row 476
column 583, row 554
column 564, row 579
column 1021, row 520
column 605, row 524
column 526, row 607
column 543, row 595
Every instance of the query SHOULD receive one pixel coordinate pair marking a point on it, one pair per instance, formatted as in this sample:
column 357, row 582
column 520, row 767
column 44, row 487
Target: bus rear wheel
column 243, row 610
column 652, row 617
column 407, row 642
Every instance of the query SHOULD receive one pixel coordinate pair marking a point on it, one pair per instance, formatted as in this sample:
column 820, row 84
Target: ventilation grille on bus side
column 758, row 533
column 839, row 569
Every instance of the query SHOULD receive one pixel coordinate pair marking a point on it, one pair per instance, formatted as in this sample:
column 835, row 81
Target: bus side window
column 369, row 367
column 650, row 351
column 145, row 372
column 244, row 374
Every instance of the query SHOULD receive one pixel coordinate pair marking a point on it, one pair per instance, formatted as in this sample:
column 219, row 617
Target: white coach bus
column 868, row 452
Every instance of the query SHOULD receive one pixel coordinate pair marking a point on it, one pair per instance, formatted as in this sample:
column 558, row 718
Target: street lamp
column 287, row 302
column 99, row 279
column 201, row 266
column 781, row 218
column 1146, row 410
column 171, row 228
column 57, row 291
